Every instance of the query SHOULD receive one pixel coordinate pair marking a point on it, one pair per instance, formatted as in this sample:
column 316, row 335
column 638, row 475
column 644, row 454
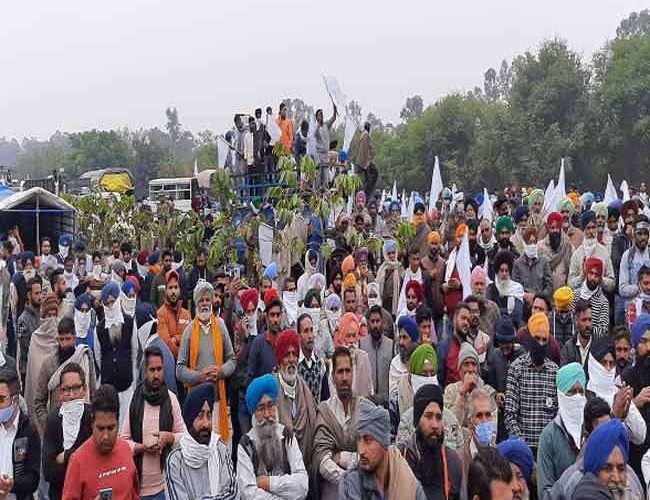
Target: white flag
column 436, row 185
column 485, row 210
column 311, row 138
column 404, row 206
column 350, row 205
column 610, row 192
column 265, row 237
column 222, row 152
column 273, row 129
column 464, row 266
column 549, row 196
column 411, row 207
column 196, row 167
column 350, row 129
column 382, row 201
column 334, row 90
column 394, row 193
column 560, row 190
column 625, row 191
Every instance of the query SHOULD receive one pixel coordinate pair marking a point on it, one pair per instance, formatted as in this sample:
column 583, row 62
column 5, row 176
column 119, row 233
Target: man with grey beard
column 269, row 461
column 206, row 353
column 296, row 406
column 118, row 341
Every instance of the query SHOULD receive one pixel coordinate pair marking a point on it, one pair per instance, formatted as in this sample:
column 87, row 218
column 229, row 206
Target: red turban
column 416, row 286
column 250, row 296
column 135, row 282
column 285, row 340
column 594, row 264
column 554, row 219
column 269, row 295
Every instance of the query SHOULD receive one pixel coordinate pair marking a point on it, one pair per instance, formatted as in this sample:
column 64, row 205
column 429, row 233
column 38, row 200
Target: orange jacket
column 286, row 139
column 171, row 326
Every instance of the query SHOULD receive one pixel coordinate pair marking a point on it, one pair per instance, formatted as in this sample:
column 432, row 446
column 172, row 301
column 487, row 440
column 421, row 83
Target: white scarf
column 451, row 264
column 128, row 305
column 572, row 414
column 196, row 455
column 71, row 411
column 489, row 244
column 601, row 381
column 113, row 315
column 288, row 389
column 585, row 293
column 589, row 246
column 418, row 381
column 71, row 280
column 509, row 289
column 81, row 323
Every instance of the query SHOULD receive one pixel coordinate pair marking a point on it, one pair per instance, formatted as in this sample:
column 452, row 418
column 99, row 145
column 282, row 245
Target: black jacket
column 569, row 353
column 53, row 445
column 116, row 359
column 638, row 377
column 26, row 458
column 193, row 279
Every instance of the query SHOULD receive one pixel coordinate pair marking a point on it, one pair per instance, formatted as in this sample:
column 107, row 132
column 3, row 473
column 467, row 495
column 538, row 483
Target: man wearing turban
column 409, row 335
column 504, row 229
column 202, row 454
column 590, row 248
column 567, row 209
column 437, row 466
column 206, row 353
column 634, row 258
column 172, row 317
column 562, row 316
column 561, row 439
column 389, row 277
column 269, row 460
column 119, row 346
column 295, row 403
column 605, row 460
column 347, row 336
column 591, row 292
column 452, row 286
column 556, row 249
column 531, row 394
column 536, row 212
column 433, row 275
column 413, row 273
column 381, row 466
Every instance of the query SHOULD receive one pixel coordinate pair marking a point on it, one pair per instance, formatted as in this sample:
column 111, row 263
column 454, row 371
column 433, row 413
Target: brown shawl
column 303, row 424
column 401, row 480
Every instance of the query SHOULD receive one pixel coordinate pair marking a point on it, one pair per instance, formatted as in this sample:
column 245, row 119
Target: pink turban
column 478, row 273
column 347, row 321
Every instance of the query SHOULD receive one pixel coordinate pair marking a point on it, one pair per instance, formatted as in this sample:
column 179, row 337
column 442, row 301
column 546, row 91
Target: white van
column 179, row 189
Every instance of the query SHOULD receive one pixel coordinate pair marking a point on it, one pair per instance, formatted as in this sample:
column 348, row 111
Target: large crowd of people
column 129, row 373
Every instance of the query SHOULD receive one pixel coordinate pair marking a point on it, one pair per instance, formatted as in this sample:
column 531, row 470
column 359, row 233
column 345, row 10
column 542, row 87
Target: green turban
column 504, row 222
column 312, row 294
column 423, row 354
column 566, row 204
column 600, row 209
column 535, row 196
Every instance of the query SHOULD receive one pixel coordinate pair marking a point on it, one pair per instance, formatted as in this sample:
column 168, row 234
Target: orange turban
column 348, row 265
column 348, row 321
column 350, row 282
column 460, row 231
column 575, row 198
column 433, row 238
column 538, row 322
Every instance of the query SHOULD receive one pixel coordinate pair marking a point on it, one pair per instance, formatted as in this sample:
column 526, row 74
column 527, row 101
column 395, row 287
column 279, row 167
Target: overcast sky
column 76, row 65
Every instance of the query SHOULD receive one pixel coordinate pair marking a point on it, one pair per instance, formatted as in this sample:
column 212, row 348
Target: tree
column 97, row 149
column 413, row 108
column 147, row 162
column 637, row 23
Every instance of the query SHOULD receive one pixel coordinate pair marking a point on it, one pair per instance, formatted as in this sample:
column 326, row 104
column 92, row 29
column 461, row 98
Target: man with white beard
column 295, row 404
column 269, row 461
column 118, row 341
column 206, row 353
column 201, row 466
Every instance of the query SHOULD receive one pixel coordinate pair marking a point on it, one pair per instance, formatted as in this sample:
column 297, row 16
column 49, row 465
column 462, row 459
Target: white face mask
column 113, row 314
column 589, row 244
column 81, row 323
column 128, row 305
column 97, row 271
column 63, row 251
column 530, row 251
column 418, row 381
column 572, row 414
column 375, row 301
column 28, row 275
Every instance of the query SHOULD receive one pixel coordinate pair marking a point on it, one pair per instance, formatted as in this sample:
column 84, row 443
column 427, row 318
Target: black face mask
column 65, row 354
column 504, row 242
column 622, row 364
column 537, row 352
column 554, row 239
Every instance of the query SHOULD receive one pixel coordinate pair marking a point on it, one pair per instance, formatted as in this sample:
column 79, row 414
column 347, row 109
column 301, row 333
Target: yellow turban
column 350, row 282
column 575, row 198
column 538, row 322
column 460, row 231
column 563, row 298
column 433, row 238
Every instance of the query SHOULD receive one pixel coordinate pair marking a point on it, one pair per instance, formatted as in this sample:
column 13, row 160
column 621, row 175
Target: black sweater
column 53, row 445
column 26, row 457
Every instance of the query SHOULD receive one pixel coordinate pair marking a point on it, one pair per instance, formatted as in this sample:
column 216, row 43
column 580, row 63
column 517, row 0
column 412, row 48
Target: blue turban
column 374, row 421
column 390, row 246
column 394, row 203
column 587, row 217
column 128, row 286
column 153, row 257
column 617, row 204
column 446, row 194
column 271, row 271
column 111, row 289
column 479, row 198
column 417, row 199
column 505, row 330
column 568, row 375
column 640, row 326
column 410, row 326
column 84, row 298
column 518, row 452
column 65, row 240
column 343, row 156
column 598, row 196
column 520, row 212
column 264, row 385
column 601, row 443
column 79, row 246
column 195, row 400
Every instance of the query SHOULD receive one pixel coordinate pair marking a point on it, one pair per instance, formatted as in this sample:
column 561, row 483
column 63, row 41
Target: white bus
column 179, row 189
